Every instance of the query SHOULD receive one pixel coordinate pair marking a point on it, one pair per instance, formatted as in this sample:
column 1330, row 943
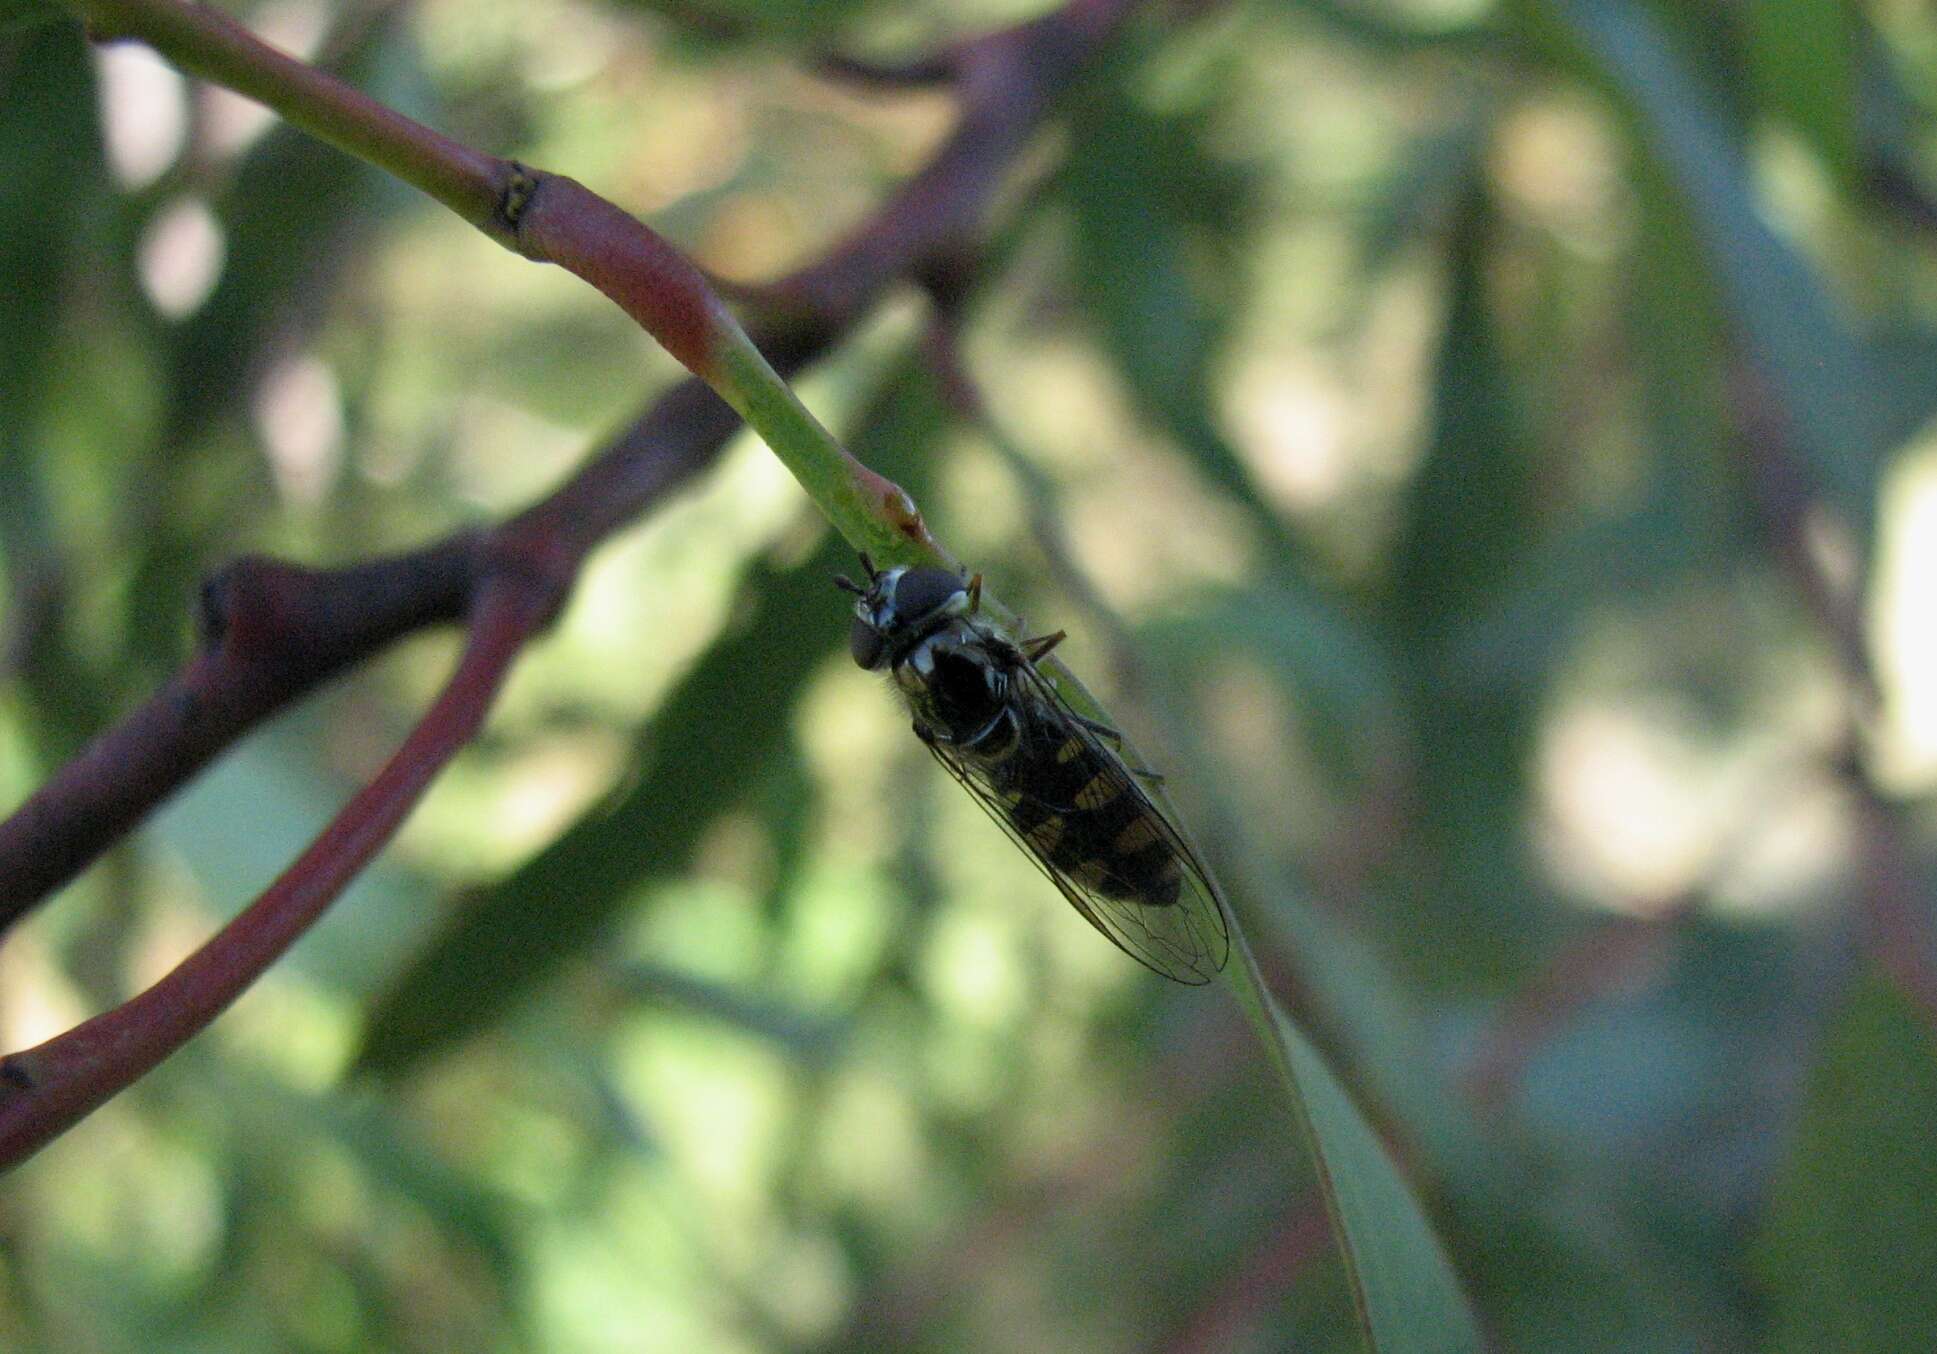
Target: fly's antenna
column 868, row 564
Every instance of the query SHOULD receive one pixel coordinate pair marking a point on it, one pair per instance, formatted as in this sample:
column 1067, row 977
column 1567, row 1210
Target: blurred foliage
column 1483, row 448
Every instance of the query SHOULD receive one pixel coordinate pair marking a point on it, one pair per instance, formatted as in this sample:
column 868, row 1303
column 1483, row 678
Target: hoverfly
column 1056, row 782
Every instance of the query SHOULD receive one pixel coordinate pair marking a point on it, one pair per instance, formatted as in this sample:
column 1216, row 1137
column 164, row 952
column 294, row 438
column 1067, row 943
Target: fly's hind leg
column 1115, row 740
column 1037, row 649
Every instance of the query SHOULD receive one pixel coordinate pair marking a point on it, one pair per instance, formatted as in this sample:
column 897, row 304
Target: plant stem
column 874, row 514
column 205, row 42
column 549, row 218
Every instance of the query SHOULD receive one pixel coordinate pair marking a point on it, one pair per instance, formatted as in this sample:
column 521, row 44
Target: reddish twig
column 1286, row 1252
column 1896, row 906
column 1895, row 930
column 272, row 632
column 45, row 1090
column 1610, row 956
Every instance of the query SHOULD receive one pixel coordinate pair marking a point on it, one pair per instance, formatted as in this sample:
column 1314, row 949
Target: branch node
column 212, row 609
column 15, row 1075
column 900, row 510
column 243, row 605
column 519, row 185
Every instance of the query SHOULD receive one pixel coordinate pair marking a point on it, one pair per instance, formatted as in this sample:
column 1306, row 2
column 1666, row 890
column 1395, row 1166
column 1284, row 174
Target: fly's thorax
column 958, row 683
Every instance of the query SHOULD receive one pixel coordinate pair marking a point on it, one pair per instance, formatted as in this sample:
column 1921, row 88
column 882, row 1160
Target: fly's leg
column 1100, row 729
column 846, row 584
column 975, row 593
column 1037, row 649
column 1115, row 740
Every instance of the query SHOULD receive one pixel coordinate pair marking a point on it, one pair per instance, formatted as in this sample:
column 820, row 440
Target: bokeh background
column 1483, row 450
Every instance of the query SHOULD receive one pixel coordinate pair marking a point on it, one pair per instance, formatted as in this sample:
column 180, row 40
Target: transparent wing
column 1185, row 940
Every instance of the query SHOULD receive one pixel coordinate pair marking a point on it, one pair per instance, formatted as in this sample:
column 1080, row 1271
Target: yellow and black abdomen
column 1077, row 805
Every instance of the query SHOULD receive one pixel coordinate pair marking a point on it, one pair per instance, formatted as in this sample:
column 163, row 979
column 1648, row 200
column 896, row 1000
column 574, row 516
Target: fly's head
column 898, row 608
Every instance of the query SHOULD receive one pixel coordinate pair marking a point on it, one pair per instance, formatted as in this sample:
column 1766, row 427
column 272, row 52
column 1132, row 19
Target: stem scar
column 520, row 184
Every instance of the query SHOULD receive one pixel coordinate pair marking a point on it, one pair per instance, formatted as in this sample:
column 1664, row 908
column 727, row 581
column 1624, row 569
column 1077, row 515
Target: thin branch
column 272, row 632
column 47, row 1089
column 1284, row 1254
column 553, row 219
column 322, row 622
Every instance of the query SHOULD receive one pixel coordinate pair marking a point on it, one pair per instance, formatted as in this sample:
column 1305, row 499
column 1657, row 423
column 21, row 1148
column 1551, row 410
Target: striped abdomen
column 1079, row 807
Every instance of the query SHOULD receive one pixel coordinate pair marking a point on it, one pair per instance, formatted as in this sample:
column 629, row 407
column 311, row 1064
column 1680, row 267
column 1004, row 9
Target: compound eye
column 923, row 592
column 865, row 643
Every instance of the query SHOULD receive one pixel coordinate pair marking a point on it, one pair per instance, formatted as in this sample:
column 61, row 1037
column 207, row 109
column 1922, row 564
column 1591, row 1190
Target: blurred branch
column 45, row 1090
column 1612, row 955
column 1896, row 929
column 925, row 72
column 1285, row 1252
column 273, row 631
column 1896, row 905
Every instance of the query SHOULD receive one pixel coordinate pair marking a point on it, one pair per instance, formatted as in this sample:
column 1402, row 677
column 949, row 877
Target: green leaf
column 1469, row 508
column 50, row 199
column 697, row 757
column 1404, row 1290
column 1469, row 527
column 1849, row 1247
column 1159, row 224
column 1804, row 60
column 1818, row 376
column 27, row 13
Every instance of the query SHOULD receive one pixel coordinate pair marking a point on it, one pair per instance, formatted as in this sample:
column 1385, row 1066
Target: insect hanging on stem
column 1057, row 782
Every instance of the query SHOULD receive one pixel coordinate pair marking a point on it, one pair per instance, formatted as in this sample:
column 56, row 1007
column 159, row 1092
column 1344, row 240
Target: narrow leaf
column 1805, row 66
column 1849, row 1248
column 694, row 764
column 697, row 756
column 1406, row 1294
column 1469, row 529
column 1818, row 375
